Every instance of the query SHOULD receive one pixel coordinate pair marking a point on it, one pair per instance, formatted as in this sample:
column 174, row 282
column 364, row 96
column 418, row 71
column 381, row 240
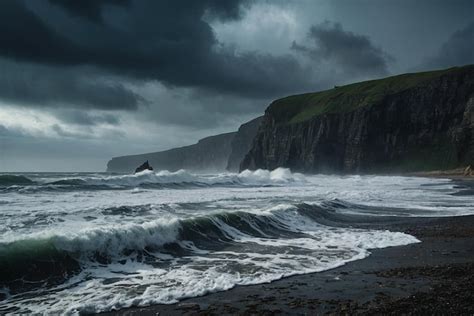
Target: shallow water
column 79, row 243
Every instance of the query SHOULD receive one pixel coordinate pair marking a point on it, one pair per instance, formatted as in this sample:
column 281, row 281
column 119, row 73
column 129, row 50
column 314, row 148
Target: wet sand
column 435, row 276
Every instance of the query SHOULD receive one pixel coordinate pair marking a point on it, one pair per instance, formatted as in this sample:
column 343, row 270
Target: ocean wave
column 68, row 182
column 113, row 241
column 247, row 177
column 49, row 258
column 155, row 180
column 7, row 180
column 28, row 264
column 74, row 251
column 52, row 257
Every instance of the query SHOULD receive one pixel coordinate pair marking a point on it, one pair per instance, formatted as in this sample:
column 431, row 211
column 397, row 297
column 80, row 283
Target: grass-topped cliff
column 302, row 107
column 411, row 122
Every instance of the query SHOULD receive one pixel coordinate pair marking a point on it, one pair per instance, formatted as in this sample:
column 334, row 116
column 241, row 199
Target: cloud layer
column 458, row 50
column 45, row 86
column 351, row 53
column 126, row 76
column 167, row 41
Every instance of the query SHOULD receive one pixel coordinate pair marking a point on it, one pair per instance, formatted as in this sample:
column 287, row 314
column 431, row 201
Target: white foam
column 246, row 177
column 112, row 240
column 279, row 176
column 137, row 283
column 91, row 221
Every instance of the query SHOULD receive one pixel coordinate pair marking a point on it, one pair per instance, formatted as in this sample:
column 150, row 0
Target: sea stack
column 144, row 166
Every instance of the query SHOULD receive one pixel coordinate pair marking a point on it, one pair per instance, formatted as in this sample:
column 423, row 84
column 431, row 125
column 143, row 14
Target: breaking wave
column 161, row 179
column 74, row 251
column 51, row 258
column 6, row 179
column 247, row 177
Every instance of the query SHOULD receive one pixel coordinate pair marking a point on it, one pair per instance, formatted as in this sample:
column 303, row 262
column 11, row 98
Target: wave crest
column 246, row 177
column 7, row 179
column 167, row 257
column 183, row 178
column 167, row 235
column 155, row 180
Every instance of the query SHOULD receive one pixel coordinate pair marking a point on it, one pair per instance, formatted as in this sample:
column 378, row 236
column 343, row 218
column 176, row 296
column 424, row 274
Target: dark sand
column 435, row 276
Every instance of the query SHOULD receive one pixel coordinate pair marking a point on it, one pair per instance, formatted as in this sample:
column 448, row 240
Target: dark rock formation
column 242, row 143
column 411, row 122
column 209, row 154
column 144, row 166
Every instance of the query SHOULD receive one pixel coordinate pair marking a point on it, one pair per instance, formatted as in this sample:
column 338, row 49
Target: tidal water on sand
column 83, row 243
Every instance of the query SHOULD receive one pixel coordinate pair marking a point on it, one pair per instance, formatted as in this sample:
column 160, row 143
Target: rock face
column 411, row 122
column 242, row 143
column 215, row 153
column 209, row 154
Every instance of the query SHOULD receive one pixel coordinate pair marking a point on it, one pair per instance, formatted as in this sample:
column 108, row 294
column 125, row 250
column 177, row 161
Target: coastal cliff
column 215, row 153
column 242, row 143
column 208, row 154
column 411, row 122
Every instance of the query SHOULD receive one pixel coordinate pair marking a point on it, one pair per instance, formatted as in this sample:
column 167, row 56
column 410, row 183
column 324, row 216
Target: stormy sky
column 82, row 81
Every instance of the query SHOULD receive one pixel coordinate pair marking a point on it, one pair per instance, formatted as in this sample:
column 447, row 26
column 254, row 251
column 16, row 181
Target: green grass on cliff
column 299, row 108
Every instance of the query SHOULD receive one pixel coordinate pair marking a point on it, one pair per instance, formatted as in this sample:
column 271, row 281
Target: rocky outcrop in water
column 143, row 167
column 411, row 122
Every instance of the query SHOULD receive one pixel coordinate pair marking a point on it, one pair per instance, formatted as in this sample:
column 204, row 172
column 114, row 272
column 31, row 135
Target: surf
column 86, row 243
column 149, row 179
column 47, row 260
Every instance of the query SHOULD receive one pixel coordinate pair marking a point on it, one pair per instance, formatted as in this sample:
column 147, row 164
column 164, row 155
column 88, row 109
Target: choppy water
column 83, row 243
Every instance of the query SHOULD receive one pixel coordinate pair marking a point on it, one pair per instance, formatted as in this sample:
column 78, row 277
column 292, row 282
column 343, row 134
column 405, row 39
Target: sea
column 79, row 243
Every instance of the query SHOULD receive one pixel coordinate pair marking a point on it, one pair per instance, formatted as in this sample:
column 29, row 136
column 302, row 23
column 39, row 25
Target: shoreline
column 433, row 276
column 463, row 174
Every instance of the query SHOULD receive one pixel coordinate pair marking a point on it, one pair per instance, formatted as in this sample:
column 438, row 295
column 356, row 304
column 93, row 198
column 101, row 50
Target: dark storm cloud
column 41, row 86
column 458, row 50
column 353, row 53
column 195, row 109
column 24, row 36
column 225, row 10
column 167, row 41
column 93, row 9
column 89, row 9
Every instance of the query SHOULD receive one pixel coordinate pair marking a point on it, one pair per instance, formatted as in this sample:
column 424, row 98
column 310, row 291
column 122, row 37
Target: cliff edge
column 242, row 143
column 411, row 122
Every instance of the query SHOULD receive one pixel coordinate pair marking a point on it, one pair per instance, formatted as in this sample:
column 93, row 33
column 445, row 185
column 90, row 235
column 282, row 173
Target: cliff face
column 412, row 122
column 214, row 153
column 209, row 154
column 242, row 143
